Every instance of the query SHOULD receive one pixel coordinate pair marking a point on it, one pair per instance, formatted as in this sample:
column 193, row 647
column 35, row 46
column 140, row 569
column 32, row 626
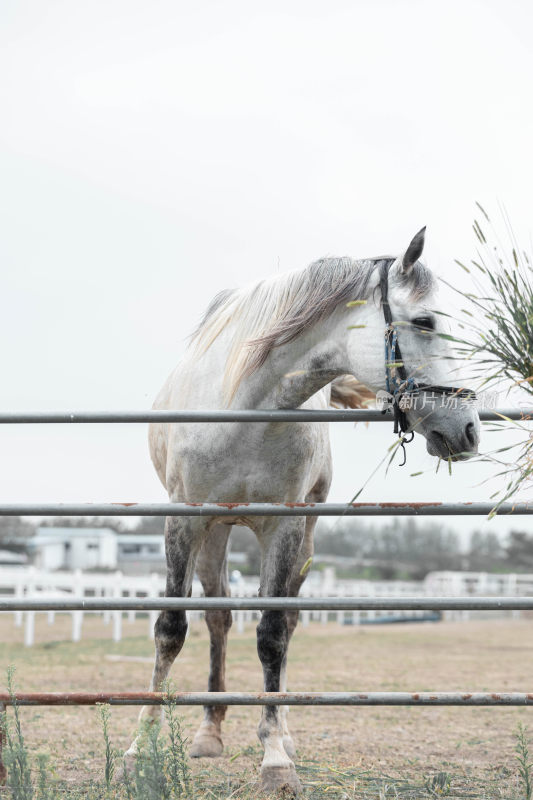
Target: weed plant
column 523, row 758
column 497, row 339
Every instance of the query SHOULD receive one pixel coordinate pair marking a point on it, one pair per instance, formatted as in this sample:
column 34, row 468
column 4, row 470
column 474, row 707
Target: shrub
column 498, row 338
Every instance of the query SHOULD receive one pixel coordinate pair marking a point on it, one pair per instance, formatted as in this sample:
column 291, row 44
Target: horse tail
column 347, row 392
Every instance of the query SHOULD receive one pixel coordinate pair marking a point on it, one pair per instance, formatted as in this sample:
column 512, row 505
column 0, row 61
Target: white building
column 141, row 553
column 74, row 548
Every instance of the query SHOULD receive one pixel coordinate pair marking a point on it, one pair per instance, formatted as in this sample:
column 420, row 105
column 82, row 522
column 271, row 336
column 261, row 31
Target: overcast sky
column 154, row 153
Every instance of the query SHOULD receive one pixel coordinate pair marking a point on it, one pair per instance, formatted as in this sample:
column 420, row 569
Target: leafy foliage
column 498, row 336
column 19, row 778
column 407, row 548
column 523, row 759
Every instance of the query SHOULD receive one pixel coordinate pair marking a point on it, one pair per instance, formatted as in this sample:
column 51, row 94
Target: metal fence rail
column 272, row 603
column 240, row 415
column 269, row 698
column 414, row 509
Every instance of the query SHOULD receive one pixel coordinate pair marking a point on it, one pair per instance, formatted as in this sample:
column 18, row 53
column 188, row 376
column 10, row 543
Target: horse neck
column 294, row 372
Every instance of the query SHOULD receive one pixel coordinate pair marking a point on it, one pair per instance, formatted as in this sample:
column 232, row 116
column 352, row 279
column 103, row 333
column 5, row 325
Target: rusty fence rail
column 240, row 510
column 268, row 698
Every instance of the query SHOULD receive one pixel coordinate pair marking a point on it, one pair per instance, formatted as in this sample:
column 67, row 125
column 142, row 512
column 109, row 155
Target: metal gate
column 261, row 603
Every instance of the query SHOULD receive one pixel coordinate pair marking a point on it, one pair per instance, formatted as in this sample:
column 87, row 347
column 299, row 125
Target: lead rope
column 403, row 441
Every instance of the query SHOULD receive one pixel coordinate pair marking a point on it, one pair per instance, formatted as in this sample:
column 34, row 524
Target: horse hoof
column 283, row 781
column 205, row 746
column 288, row 746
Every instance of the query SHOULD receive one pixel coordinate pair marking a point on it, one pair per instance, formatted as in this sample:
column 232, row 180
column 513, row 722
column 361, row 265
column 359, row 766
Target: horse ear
column 414, row 251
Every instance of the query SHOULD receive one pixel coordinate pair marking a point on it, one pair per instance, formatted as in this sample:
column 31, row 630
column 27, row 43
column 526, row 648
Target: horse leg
column 183, row 539
column 212, row 569
column 280, row 541
column 318, row 494
column 298, row 576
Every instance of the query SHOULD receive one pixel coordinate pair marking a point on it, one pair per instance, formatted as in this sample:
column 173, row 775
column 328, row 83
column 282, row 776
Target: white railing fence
column 30, row 582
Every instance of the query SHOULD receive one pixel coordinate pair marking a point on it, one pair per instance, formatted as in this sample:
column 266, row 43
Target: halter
column 401, row 387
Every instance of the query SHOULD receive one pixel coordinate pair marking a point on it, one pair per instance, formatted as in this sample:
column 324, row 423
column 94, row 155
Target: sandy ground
column 476, row 743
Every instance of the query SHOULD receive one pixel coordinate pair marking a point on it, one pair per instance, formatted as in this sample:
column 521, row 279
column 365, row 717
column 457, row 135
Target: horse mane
column 277, row 310
column 348, row 392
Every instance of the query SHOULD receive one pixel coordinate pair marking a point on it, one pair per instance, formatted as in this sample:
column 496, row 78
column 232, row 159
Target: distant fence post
column 511, row 589
column 131, row 614
column 19, row 593
column 117, row 615
column 51, row 614
column 77, row 620
column 29, row 628
column 105, row 592
column 77, row 616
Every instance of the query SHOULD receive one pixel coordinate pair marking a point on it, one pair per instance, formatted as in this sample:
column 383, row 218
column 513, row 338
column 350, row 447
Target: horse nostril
column 440, row 439
column 470, row 433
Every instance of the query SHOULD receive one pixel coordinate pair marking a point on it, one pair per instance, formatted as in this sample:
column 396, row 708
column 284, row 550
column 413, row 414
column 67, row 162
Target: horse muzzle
column 456, row 446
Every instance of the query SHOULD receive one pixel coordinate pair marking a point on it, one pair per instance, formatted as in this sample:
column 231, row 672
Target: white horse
column 291, row 341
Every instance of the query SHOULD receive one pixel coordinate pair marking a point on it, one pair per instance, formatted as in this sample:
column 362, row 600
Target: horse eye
column 426, row 323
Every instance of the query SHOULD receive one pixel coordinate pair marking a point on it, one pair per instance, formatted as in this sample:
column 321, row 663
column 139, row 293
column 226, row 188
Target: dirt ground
column 472, row 744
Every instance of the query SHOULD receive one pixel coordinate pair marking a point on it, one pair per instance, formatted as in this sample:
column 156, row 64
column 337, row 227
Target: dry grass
column 475, row 746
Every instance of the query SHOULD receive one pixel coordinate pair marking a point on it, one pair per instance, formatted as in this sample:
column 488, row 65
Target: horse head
column 415, row 372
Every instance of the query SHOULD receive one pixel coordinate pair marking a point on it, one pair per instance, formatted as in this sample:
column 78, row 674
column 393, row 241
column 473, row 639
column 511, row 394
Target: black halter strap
column 399, row 385
column 392, row 349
